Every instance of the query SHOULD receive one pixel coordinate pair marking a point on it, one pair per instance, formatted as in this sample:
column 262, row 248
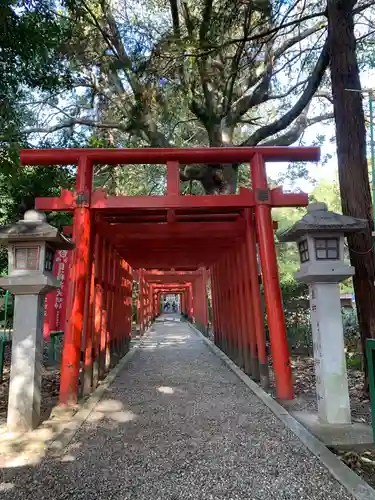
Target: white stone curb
column 349, row 479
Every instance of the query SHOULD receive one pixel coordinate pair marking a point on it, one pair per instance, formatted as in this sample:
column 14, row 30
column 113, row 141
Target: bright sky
column 328, row 171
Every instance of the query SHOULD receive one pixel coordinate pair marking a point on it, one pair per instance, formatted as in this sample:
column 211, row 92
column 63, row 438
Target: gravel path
column 177, row 424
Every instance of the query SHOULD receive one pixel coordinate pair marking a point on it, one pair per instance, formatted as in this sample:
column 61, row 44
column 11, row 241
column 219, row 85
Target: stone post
column 26, row 364
column 320, row 238
column 31, row 247
column 329, row 354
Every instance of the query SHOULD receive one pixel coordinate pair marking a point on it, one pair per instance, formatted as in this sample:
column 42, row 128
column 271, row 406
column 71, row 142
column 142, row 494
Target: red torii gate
column 195, row 291
column 114, row 233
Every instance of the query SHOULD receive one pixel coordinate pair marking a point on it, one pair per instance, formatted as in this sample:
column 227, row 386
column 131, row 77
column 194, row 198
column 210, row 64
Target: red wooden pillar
column 121, row 316
column 204, row 300
column 213, row 319
column 111, row 300
column 228, row 277
column 147, row 304
column 273, row 297
column 125, row 328
column 126, row 308
column 236, row 310
column 156, row 301
column 200, row 298
column 70, row 364
column 121, row 312
column 159, row 303
column 103, row 306
column 243, row 310
column 145, row 298
column 97, row 307
column 141, row 302
column 256, row 300
column 88, row 329
column 223, row 333
column 224, row 308
column 190, row 301
column 108, row 296
column 124, row 321
column 196, row 302
column 128, row 304
column 251, row 367
column 215, row 314
column 116, row 307
column 218, row 306
column 149, row 308
column 184, row 301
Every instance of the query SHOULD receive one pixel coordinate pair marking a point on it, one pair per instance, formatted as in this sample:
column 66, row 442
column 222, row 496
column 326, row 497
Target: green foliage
column 297, row 315
column 351, row 328
column 329, row 192
column 297, row 321
column 31, row 38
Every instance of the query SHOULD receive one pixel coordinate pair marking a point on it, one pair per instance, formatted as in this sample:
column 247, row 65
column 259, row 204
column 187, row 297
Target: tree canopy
column 168, row 73
column 161, row 74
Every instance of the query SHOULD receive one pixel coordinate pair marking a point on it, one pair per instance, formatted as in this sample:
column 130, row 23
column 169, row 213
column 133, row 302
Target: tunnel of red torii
column 176, row 240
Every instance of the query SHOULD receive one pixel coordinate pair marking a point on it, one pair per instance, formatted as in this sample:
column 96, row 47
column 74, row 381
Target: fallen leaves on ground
column 304, row 383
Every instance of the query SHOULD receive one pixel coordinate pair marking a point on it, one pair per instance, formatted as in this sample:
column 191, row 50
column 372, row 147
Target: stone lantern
column 320, row 238
column 31, row 246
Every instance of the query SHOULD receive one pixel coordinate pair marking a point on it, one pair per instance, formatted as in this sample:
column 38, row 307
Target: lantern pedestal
column 31, row 247
column 354, row 436
column 26, row 366
column 329, row 354
column 320, row 236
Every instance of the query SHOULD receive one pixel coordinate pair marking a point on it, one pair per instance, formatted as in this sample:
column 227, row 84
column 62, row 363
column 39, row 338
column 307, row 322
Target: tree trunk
column 352, row 158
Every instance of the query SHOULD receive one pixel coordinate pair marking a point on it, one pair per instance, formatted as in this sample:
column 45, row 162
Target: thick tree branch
column 235, row 65
column 260, row 93
column 205, row 24
column 282, row 123
column 175, row 18
column 299, row 126
column 298, row 38
column 71, row 123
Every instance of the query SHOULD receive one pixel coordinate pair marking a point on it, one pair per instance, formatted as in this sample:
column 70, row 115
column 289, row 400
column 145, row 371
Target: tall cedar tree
column 352, row 158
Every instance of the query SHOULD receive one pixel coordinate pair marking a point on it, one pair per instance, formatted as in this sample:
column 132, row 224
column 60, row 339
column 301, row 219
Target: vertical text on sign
column 55, row 304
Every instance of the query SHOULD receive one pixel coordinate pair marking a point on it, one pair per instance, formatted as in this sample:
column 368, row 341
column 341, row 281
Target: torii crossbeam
column 183, row 233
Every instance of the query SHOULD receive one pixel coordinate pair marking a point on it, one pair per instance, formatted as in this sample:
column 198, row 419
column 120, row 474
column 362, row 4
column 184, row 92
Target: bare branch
column 286, row 120
column 71, row 123
column 298, row 38
column 288, row 92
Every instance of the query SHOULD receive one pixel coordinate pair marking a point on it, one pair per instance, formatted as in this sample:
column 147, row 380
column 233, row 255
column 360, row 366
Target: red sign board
column 55, row 303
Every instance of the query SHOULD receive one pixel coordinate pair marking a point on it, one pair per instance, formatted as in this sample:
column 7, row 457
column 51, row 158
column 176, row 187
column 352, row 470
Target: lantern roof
column 34, row 227
column 321, row 220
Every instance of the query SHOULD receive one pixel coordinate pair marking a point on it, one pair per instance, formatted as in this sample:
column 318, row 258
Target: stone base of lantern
column 354, row 436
